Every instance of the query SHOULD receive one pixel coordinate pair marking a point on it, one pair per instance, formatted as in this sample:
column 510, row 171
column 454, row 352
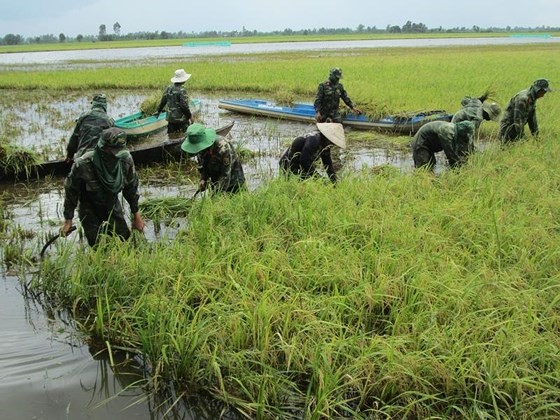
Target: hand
column 69, row 160
column 202, row 185
column 357, row 111
column 156, row 114
column 66, row 228
column 318, row 116
column 138, row 222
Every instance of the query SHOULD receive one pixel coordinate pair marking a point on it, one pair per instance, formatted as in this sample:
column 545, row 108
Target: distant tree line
column 408, row 27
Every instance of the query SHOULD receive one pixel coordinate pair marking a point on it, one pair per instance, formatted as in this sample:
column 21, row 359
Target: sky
column 74, row 17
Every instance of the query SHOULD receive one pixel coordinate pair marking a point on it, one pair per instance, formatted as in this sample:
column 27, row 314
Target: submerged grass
column 388, row 296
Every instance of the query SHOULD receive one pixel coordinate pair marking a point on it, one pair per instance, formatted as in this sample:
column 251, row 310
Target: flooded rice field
column 47, row 369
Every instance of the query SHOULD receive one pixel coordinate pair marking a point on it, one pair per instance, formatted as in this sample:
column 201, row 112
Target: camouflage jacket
column 436, row 136
column 82, row 185
column 220, row 166
column 177, row 101
column 471, row 111
column 328, row 98
column 520, row 110
column 87, row 131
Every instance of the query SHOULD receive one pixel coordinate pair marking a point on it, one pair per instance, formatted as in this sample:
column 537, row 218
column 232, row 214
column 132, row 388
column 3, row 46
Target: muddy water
column 46, row 368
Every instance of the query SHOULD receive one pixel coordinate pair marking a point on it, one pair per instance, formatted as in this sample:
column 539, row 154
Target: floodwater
column 178, row 52
column 47, row 368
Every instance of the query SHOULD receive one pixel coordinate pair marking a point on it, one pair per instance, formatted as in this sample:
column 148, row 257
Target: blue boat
column 405, row 123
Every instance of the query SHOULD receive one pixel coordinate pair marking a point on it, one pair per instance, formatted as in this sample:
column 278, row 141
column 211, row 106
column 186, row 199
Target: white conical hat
column 334, row 132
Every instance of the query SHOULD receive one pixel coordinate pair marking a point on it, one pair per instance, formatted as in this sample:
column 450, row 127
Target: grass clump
column 17, row 159
column 150, row 104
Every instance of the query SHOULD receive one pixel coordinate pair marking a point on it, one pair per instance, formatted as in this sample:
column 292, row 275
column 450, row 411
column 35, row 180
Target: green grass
column 389, row 295
column 392, row 80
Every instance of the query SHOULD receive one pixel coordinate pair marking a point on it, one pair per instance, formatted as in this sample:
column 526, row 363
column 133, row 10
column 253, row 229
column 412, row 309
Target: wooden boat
column 143, row 155
column 405, row 123
column 138, row 125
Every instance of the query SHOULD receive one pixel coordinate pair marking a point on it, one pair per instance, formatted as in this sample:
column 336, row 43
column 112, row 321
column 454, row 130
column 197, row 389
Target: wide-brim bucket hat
column 493, row 110
column 198, row 138
column 334, row 132
column 180, row 76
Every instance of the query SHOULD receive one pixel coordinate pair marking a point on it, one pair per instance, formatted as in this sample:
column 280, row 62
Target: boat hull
column 399, row 124
column 143, row 155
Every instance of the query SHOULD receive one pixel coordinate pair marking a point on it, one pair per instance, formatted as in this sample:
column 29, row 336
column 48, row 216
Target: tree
column 102, row 32
column 11, row 39
column 61, row 37
column 80, row 38
column 117, row 28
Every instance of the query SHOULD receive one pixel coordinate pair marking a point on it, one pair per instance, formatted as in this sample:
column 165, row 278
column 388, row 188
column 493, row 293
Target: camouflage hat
column 112, row 137
column 337, row 72
column 493, row 110
column 541, row 84
column 464, row 129
column 99, row 100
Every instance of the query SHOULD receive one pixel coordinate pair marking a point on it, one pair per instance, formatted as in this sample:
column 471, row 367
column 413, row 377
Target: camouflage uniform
column 521, row 110
column 220, row 166
column 328, row 97
column 454, row 139
column 89, row 127
column 99, row 210
column 304, row 151
column 178, row 111
column 471, row 111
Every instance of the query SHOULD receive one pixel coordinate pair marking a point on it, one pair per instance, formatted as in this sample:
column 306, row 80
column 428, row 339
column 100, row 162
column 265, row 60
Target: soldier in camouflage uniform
column 218, row 164
column 177, row 101
column 93, row 185
column 328, row 97
column 477, row 110
column 521, row 110
column 89, row 127
column 454, row 139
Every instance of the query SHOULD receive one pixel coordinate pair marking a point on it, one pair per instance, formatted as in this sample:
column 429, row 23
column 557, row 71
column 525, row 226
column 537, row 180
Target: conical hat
column 334, row 132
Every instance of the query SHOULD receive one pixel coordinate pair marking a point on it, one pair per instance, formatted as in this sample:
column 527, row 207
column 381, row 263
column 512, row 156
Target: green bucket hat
column 112, row 137
column 198, row 138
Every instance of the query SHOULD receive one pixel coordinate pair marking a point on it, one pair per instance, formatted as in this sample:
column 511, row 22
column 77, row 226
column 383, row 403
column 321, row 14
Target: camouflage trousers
column 97, row 221
column 510, row 133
